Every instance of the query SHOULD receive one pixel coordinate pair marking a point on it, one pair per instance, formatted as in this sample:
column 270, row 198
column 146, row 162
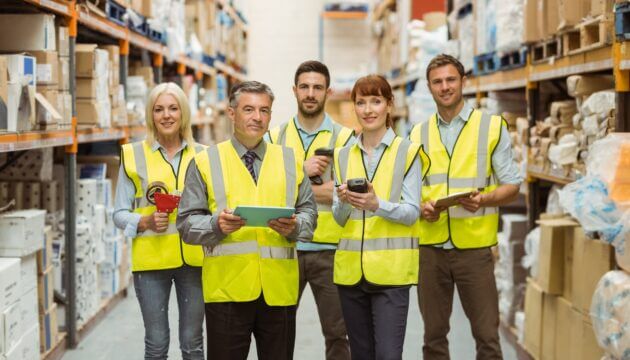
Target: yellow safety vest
column 468, row 168
column 328, row 231
column 382, row 251
column 148, row 170
column 250, row 260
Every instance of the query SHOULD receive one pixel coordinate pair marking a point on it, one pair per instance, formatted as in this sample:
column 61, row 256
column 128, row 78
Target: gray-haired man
column 250, row 274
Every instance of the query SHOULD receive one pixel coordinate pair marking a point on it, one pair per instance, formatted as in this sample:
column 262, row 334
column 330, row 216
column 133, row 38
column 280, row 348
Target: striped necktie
column 249, row 158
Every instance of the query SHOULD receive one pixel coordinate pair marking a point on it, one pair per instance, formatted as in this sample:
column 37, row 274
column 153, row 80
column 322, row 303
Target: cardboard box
column 572, row 12
column 550, row 22
column 599, row 7
column 29, row 344
column 564, row 314
column 63, row 41
column 567, row 288
column 47, row 114
column 90, row 112
column 142, row 7
column 45, row 290
column 29, row 32
column 549, row 327
column 48, row 329
column 35, row 165
column 583, row 342
column 10, row 287
column 10, row 327
column 22, row 232
column 551, row 256
column 91, row 61
column 64, row 74
column 44, row 256
column 94, row 88
column 67, row 108
column 28, row 308
column 28, row 273
column 47, row 67
column 22, row 77
column 591, row 260
column 534, row 298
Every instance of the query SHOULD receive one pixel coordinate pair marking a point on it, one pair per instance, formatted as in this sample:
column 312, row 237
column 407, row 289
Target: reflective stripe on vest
column 250, row 260
column 372, row 247
column 465, row 229
column 327, row 231
column 165, row 250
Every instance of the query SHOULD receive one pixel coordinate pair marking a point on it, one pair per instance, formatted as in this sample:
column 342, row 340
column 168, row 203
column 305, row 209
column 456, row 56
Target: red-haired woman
column 376, row 261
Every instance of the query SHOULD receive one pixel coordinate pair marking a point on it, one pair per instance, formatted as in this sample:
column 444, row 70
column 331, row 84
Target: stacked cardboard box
column 388, row 43
column 22, row 235
column 92, row 72
column 116, row 91
column 200, row 21
column 557, row 301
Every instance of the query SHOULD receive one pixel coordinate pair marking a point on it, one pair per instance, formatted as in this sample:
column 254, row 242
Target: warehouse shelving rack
column 78, row 19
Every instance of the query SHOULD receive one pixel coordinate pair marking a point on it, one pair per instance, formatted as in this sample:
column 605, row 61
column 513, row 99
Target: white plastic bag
column 532, row 243
column 610, row 313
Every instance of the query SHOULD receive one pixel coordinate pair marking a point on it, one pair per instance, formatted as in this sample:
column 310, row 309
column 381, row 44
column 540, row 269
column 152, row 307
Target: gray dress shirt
column 407, row 211
column 198, row 226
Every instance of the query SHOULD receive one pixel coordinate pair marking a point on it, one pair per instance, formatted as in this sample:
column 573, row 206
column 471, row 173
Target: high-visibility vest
column 250, row 260
column 328, row 230
column 382, row 251
column 149, row 170
column 468, row 168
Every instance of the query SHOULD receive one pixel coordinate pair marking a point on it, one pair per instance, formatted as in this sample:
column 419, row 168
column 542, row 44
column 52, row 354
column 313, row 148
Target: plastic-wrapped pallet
column 466, row 39
column 610, row 313
column 509, row 25
column 486, row 27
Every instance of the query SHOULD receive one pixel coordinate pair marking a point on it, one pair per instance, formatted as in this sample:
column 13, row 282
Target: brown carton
column 591, row 260
column 564, row 314
column 572, row 12
column 551, row 255
column 47, row 67
column 599, row 7
column 533, row 317
column 583, row 342
column 549, row 327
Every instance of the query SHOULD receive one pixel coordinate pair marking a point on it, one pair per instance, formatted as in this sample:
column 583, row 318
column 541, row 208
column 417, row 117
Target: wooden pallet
column 588, row 35
column 485, row 64
column 512, row 60
column 622, row 21
column 545, row 50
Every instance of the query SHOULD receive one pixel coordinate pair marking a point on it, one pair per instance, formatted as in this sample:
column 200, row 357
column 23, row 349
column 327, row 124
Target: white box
column 20, row 67
column 21, row 89
column 87, row 197
column 22, row 232
column 28, row 272
column 29, row 32
column 10, row 327
column 30, row 343
column 10, row 287
column 29, row 311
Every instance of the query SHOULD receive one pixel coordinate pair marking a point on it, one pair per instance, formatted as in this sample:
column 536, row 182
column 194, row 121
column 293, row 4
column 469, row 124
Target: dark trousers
column 316, row 269
column 230, row 327
column 472, row 271
column 376, row 319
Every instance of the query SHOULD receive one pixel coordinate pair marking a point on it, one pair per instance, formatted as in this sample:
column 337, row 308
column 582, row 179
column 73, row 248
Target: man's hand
column 472, row 203
column 229, row 223
column 430, row 212
column 316, row 165
column 284, row 226
column 324, row 192
column 363, row 201
column 156, row 222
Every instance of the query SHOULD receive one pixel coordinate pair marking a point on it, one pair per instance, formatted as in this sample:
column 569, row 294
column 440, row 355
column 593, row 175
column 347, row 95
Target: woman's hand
column 342, row 193
column 156, row 222
column 363, row 201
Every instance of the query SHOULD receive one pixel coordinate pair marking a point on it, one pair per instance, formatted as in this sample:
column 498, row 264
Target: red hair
column 374, row 85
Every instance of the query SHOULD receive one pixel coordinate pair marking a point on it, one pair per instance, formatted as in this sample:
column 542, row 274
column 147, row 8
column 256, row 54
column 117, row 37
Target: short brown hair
column 312, row 66
column 374, row 85
column 443, row 60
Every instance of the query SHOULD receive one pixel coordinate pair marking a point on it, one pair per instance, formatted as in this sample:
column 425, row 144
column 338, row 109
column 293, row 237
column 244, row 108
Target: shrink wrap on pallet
column 610, row 313
column 509, row 25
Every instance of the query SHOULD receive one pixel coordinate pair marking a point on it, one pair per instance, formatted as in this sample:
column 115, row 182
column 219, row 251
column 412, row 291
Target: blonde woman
column 159, row 257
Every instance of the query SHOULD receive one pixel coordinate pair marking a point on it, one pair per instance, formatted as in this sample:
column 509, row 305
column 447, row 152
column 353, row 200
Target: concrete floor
column 120, row 334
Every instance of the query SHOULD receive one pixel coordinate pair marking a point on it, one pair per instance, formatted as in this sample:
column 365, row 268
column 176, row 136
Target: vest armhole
column 426, row 156
column 122, row 161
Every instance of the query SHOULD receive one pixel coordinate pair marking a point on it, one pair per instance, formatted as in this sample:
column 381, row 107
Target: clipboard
column 451, row 200
column 259, row 216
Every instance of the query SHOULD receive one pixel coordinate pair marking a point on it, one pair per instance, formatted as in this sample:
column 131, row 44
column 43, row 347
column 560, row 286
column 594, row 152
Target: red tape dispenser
column 166, row 202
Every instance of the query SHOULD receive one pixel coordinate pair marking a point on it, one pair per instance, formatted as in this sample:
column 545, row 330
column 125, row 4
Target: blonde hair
column 185, row 129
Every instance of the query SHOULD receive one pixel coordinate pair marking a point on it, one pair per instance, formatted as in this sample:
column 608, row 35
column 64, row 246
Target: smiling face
column 310, row 93
column 167, row 116
column 251, row 116
column 446, row 86
column 372, row 111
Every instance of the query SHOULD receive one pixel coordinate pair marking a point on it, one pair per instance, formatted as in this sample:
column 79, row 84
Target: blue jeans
column 153, row 289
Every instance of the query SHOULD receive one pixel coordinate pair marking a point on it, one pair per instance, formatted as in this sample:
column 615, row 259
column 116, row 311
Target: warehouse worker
column 377, row 258
column 159, row 258
column 469, row 151
column 309, row 130
column 250, row 274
